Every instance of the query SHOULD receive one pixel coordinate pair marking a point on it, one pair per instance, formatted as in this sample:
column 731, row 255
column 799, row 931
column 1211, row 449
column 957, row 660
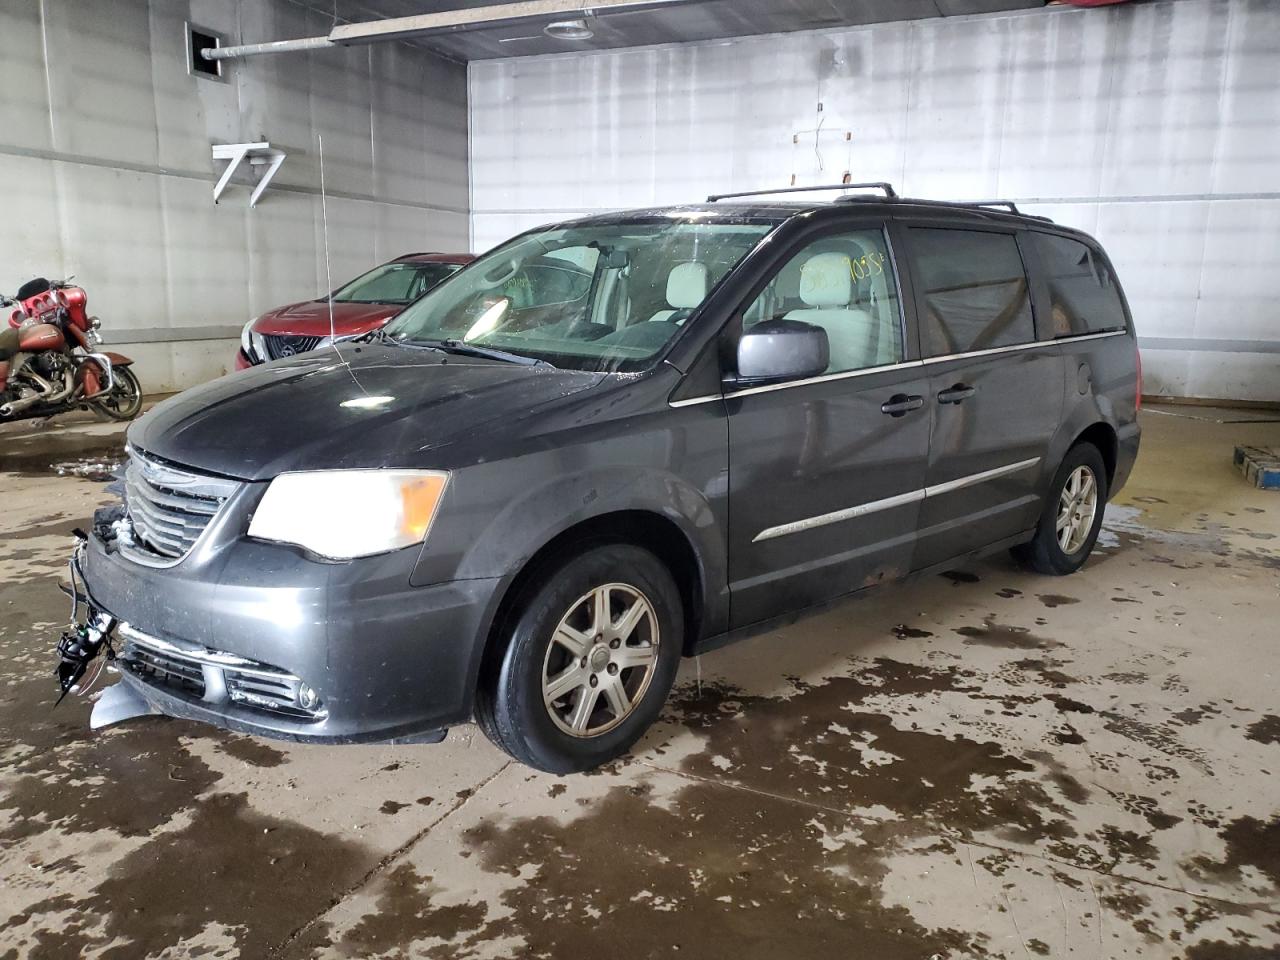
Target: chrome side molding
column 888, row 503
column 850, row 513
column 961, row 482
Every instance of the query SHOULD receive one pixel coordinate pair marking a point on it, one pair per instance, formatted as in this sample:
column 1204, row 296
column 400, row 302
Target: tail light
column 1137, row 400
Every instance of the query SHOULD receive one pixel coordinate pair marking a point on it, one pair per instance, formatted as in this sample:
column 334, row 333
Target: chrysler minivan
column 524, row 501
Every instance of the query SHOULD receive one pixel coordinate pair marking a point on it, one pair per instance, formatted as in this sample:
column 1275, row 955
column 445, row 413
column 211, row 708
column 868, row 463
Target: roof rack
column 1007, row 204
column 886, row 187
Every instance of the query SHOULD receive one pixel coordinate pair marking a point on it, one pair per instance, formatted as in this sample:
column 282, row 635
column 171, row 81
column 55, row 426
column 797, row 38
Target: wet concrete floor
column 983, row 764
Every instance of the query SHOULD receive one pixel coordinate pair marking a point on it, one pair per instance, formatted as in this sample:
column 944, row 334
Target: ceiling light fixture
column 569, row 30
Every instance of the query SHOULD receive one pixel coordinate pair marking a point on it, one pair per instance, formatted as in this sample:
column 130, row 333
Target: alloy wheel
column 600, row 660
column 1077, row 506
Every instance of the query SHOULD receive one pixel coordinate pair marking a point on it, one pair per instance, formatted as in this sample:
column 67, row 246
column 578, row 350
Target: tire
column 125, row 400
column 1056, row 551
column 553, row 630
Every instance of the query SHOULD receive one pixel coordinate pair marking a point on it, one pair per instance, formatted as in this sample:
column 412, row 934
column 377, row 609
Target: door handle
column 956, row 394
column 899, row 405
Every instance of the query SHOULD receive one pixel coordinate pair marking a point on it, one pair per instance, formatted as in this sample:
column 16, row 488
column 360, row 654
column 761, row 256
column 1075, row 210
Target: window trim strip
column 905, row 365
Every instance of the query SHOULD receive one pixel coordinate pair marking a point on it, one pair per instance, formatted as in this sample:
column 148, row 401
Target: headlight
column 253, row 343
column 246, row 339
column 342, row 514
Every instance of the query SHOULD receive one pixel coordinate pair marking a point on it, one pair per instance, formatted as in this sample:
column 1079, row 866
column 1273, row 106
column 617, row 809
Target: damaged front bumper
column 257, row 638
column 87, row 640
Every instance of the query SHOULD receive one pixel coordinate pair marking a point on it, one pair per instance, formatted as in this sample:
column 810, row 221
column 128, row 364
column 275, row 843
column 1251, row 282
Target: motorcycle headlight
column 343, row 514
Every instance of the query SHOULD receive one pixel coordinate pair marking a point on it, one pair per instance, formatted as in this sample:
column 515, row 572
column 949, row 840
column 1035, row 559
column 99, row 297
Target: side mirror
column 782, row 349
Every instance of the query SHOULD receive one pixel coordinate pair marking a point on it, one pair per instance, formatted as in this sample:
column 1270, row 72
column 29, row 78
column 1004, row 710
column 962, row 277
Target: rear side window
column 1083, row 296
column 975, row 290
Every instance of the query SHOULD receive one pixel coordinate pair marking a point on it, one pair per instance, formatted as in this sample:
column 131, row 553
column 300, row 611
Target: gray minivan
column 606, row 444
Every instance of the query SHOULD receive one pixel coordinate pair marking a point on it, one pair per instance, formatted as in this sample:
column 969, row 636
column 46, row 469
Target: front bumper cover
column 388, row 662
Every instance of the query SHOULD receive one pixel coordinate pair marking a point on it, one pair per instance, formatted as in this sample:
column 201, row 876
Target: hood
column 378, row 406
column 311, row 318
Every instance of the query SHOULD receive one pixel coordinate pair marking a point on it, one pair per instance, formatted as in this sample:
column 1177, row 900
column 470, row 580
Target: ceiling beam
column 497, row 15
column 446, row 21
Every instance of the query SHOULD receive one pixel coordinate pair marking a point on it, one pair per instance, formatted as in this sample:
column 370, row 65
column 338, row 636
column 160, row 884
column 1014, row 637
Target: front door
column 997, row 391
column 826, row 475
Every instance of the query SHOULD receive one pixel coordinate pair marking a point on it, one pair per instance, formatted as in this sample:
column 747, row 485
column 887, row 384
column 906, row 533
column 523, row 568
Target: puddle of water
column 88, row 456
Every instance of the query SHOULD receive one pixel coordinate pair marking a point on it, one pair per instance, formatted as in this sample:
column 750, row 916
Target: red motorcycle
column 49, row 363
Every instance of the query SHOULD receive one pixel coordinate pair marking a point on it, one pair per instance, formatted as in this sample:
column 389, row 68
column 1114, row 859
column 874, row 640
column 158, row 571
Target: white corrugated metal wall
column 1154, row 126
column 105, row 167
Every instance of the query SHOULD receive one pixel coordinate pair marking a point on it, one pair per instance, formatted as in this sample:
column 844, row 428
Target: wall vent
column 200, row 38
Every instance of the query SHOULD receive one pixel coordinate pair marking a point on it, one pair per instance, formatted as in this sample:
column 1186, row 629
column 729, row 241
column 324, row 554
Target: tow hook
column 80, row 646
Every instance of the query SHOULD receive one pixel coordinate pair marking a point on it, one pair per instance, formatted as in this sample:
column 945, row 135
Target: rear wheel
column 592, row 650
column 1072, row 516
column 125, row 399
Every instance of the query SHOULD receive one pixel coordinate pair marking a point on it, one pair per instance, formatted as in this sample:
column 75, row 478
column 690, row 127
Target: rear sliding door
column 996, row 390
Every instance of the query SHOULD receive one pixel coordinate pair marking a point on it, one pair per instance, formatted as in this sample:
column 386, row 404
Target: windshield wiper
column 489, row 353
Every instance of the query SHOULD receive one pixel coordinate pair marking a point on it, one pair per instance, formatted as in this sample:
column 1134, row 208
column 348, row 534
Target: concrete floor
column 982, row 764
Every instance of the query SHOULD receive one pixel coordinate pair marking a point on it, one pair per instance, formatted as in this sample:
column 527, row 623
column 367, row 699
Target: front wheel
column 592, row 650
column 125, row 399
column 1072, row 516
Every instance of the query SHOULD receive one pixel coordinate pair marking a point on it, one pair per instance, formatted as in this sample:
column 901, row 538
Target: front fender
column 526, row 524
column 674, row 465
column 117, row 359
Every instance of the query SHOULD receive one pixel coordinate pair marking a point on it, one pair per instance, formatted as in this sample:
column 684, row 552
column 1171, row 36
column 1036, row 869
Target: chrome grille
column 281, row 346
column 168, row 507
column 213, row 676
column 272, row 690
column 163, row 669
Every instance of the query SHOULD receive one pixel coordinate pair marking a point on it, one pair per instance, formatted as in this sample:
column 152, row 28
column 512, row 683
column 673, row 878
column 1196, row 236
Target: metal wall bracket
column 260, row 155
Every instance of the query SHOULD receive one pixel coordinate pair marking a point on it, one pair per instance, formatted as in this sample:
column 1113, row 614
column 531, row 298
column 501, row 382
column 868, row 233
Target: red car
column 364, row 304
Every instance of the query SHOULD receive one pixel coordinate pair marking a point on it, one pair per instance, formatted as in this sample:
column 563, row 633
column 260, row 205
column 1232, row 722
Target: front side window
column 843, row 283
column 603, row 297
column 1083, row 296
column 394, row 283
column 975, row 290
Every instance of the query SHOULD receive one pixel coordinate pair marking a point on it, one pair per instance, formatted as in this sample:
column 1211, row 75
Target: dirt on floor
column 986, row 763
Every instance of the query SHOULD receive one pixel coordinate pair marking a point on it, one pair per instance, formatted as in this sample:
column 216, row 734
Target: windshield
column 600, row 297
column 394, row 283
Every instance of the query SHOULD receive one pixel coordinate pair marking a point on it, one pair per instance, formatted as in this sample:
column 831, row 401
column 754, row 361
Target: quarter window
column 1083, row 296
column 975, row 291
column 844, row 284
